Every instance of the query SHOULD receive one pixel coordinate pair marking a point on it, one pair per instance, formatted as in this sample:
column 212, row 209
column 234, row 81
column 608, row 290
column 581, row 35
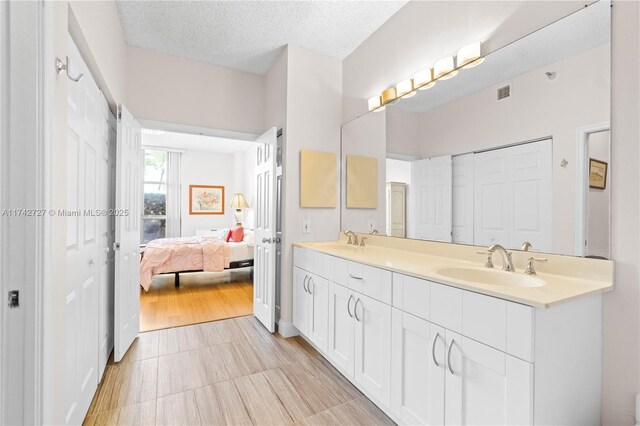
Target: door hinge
column 116, row 246
column 14, row 299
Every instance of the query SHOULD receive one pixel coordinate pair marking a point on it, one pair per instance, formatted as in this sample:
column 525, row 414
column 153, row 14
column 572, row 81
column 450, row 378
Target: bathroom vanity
column 433, row 336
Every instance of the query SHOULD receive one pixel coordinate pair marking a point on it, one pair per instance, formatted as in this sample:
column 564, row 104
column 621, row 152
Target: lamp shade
column 405, row 88
column 423, row 80
column 444, row 68
column 238, row 201
column 375, row 103
column 389, row 95
column 470, row 55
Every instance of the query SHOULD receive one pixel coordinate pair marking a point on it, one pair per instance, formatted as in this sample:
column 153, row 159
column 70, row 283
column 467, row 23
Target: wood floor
column 230, row 372
column 201, row 297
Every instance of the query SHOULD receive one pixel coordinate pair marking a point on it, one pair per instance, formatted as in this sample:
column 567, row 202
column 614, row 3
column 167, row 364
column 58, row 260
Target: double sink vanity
column 433, row 336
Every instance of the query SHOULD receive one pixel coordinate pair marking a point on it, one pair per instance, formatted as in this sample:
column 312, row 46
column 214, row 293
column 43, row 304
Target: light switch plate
column 306, row 226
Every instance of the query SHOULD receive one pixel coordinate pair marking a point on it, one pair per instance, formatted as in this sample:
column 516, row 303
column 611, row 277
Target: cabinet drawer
column 370, row 281
column 411, row 295
column 312, row 261
column 446, row 307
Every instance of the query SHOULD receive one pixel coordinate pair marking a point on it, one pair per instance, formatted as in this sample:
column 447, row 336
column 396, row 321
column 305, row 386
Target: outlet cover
column 306, row 226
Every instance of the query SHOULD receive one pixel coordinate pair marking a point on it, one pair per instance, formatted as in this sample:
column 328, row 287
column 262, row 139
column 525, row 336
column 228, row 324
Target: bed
column 204, row 252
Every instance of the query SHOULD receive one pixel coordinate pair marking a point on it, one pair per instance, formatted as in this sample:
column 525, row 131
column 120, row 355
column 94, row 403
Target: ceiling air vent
column 504, row 92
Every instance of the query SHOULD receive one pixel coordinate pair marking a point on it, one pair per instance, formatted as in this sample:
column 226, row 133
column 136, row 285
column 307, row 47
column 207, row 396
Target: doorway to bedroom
column 197, row 245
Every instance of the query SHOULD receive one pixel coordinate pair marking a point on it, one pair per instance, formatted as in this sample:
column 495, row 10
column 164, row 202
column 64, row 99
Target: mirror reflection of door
column 597, row 241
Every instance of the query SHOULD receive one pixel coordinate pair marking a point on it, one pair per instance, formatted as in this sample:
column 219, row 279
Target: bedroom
column 179, row 167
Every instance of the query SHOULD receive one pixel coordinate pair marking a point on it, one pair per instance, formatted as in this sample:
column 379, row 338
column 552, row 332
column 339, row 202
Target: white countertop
column 565, row 277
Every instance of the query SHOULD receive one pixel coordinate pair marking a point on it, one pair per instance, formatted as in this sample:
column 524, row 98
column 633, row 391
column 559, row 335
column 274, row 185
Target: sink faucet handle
column 362, row 239
column 489, row 255
column 530, row 269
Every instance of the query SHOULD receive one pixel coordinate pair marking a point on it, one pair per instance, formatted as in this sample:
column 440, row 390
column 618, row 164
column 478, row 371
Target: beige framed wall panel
column 362, row 182
column 318, row 179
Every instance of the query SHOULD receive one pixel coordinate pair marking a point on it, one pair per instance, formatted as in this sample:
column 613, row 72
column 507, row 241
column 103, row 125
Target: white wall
column 171, row 89
column 365, row 136
column 398, row 171
column 402, row 132
column 598, row 202
column 424, row 31
column 577, row 97
column 208, row 168
column 314, row 114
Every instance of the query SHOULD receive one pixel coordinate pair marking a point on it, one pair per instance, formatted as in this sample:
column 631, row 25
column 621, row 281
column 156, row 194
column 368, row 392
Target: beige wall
column 176, row 90
column 314, row 114
column 422, row 32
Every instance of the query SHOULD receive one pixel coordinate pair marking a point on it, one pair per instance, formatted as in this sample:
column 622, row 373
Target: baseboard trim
column 287, row 329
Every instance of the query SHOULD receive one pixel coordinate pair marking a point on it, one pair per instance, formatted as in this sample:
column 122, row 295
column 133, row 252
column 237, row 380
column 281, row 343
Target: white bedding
column 240, row 251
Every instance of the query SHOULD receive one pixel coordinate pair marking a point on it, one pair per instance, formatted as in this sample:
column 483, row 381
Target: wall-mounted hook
column 61, row 66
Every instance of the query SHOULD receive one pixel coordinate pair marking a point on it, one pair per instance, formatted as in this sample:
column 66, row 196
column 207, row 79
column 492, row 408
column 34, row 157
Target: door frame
column 582, row 181
column 27, row 133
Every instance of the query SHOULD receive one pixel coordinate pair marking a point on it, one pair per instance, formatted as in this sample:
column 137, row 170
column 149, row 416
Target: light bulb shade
column 238, row 201
column 389, row 95
column 443, row 68
column 375, row 103
column 469, row 55
column 404, row 87
column 423, row 80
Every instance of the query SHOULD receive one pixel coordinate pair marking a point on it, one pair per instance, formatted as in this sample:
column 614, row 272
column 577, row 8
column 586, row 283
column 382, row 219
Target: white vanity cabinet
column 430, row 353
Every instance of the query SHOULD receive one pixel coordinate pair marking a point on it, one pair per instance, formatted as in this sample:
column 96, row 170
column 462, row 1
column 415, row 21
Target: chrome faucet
column 374, row 232
column 507, row 263
column 530, row 269
column 353, row 238
column 526, row 246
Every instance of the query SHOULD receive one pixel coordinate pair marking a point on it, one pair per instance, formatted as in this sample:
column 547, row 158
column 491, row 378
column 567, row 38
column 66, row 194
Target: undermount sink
column 491, row 277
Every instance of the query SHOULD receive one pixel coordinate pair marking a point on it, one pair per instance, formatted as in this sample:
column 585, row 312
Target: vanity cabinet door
column 486, row 386
column 318, row 311
column 341, row 345
column 373, row 347
column 300, row 300
column 417, row 370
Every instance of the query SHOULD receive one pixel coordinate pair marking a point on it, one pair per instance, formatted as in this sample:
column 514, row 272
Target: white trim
column 287, row 329
column 195, row 130
column 582, row 182
column 402, row 157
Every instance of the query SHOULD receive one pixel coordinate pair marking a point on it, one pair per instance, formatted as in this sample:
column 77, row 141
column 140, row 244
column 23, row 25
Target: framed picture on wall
column 206, row 199
column 597, row 174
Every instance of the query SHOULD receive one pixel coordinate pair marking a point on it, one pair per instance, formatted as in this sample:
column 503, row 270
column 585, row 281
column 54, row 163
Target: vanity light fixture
column 375, row 103
column 444, row 69
column 424, row 80
column 389, row 96
column 470, row 55
column 404, row 89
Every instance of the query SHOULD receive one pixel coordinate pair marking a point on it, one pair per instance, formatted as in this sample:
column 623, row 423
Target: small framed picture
column 597, row 174
column 205, row 199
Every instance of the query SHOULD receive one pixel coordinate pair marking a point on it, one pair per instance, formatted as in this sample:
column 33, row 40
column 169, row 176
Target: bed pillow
column 248, row 237
column 228, row 236
column 237, row 233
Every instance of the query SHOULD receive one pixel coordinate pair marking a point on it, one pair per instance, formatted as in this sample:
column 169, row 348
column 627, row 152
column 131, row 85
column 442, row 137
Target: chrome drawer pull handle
column 304, row 283
column 355, row 310
column 449, row 357
column 433, row 350
column 309, row 285
column 354, row 277
column 349, row 306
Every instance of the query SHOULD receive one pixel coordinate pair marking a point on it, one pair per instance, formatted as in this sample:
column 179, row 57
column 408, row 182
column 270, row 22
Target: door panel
column 127, row 227
column 373, row 347
column 462, row 199
column 341, row 345
column 300, row 300
column 264, row 285
column 432, row 204
column 319, row 311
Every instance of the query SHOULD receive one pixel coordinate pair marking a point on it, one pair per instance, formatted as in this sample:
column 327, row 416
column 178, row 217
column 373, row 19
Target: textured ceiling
column 249, row 35
column 577, row 33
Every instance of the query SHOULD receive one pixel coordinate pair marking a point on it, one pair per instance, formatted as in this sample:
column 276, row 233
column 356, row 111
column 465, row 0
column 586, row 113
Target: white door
column 485, row 386
column 264, row 282
column 341, row 344
column 462, row 199
column 318, row 311
column 513, row 190
column 373, row 347
column 87, row 137
column 431, row 180
column 300, row 300
column 396, row 209
column 417, row 370
column 127, row 240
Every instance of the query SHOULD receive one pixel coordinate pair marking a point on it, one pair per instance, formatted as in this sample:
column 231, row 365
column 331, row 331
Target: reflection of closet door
column 462, row 199
column 431, row 179
column 396, row 209
column 513, row 196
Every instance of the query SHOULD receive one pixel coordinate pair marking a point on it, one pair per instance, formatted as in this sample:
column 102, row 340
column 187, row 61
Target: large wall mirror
column 511, row 151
